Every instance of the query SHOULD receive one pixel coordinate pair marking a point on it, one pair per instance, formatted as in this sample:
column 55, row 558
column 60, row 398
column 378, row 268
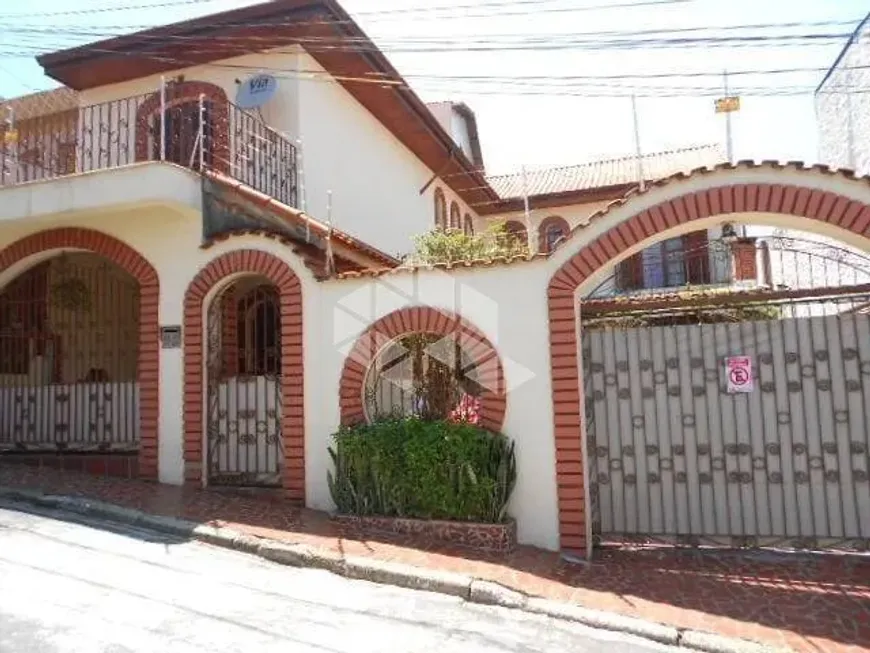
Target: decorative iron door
column 243, row 399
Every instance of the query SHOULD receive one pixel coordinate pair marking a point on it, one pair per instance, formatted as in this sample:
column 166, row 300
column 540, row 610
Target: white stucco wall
column 843, row 108
column 166, row 231
column 375, row 180
column 508, row 304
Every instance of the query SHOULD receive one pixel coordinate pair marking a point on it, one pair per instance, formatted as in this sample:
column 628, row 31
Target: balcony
column 200, row 133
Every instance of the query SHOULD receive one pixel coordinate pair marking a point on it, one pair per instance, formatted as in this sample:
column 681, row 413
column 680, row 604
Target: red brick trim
column 567, row 390
column 129, row 260
column 179, row 93
column 423, row 319
column 292, row 378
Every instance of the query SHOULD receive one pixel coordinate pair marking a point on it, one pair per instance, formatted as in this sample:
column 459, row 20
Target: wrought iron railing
column 774, row 261
column 198, row 133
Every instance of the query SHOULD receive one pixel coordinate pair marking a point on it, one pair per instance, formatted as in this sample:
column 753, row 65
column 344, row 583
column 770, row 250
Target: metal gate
column 69, row 343
column 243, row 399
column 678, row 455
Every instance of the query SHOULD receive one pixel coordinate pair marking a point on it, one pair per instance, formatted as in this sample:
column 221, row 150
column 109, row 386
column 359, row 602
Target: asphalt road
column 70, row 586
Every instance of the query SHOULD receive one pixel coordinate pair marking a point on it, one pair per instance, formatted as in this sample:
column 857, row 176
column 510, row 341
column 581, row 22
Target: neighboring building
column 843, row 106
column 564, row 197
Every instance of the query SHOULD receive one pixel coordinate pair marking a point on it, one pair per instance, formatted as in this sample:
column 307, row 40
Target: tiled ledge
column 500, row 538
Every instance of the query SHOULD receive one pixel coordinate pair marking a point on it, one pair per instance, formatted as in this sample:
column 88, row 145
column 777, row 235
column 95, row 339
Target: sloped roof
column 609, row 172
column 40, row 104
column 322, row 28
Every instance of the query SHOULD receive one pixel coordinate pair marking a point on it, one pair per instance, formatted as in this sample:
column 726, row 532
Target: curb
column 468, row 588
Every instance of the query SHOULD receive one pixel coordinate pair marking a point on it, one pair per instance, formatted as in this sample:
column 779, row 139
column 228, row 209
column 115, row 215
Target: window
column 455, row 218
column 440, row 210
column 674, row 253
column 668, row 264
column 516, row 231
column 551, row 232
column 468, row 225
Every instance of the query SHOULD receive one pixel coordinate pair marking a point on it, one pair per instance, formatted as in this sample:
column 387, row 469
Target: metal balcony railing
column 200, row 134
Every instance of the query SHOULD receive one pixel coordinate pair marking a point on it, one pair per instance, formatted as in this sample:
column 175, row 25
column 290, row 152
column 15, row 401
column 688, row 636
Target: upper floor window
column 667, row 264
column 552, row 231
column 468, row 225
column 516, row 232
column 440, row 209
column 455, row 216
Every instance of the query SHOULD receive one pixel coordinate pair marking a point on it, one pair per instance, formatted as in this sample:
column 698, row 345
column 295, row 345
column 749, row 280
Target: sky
column 524, row 66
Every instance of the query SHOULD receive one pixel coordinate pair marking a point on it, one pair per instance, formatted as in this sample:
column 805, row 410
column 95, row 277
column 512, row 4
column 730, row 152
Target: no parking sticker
column 739, row 370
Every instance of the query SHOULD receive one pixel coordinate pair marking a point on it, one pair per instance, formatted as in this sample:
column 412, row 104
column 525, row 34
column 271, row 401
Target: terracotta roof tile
column 42, row 103
column 476, row 263
column 675, row 177
column 610, row 172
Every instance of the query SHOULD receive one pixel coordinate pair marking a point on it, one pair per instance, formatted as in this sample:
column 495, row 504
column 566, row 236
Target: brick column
column 744, row 257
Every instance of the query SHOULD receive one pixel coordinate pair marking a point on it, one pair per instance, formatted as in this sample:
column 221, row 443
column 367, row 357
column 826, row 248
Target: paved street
column 66, row 586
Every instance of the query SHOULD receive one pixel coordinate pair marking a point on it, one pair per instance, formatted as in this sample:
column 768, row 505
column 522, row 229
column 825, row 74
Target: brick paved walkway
column 808, row 603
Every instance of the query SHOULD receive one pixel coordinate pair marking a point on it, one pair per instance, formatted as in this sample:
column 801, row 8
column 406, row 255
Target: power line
column 394, row 12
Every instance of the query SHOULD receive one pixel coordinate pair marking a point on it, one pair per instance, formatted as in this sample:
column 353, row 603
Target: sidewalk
column 808, row 603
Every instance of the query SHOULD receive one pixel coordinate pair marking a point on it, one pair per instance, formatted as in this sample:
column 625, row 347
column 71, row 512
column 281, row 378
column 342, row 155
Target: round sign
column 739, row 375
column 255, row 91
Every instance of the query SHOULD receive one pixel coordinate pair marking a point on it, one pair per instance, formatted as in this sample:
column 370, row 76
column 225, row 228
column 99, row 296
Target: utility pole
column 729, row 145
column 527, row 213
column 640, row 181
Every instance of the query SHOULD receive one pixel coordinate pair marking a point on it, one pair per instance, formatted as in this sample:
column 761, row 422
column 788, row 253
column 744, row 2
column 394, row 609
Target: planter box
column 491, row 538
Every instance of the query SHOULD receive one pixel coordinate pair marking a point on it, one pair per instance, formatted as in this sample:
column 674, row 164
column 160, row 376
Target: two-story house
column 201, row 242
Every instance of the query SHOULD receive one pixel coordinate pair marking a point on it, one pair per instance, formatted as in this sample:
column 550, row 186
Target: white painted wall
column 375, row 180
column 508, row 304
column 166, row 231
column 843, row 108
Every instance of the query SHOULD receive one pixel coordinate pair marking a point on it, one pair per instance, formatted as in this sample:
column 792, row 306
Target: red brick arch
column 180, row 93
column 132, row 262
column 796, row 201
column 423, row 319
column 292, row 377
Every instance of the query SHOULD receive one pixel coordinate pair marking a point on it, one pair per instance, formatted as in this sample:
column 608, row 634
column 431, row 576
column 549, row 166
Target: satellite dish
column 255, row 91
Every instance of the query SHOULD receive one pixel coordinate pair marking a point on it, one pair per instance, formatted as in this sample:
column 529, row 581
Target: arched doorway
column 69, row 357
column 243, row 381
column 194, row 114
column 786, row 438
column 244, row 415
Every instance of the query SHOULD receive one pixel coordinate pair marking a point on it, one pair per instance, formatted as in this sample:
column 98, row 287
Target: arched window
column 516, row 233
column 468, row 225
column 551, row 232
column 440, row 209
column 455, row 216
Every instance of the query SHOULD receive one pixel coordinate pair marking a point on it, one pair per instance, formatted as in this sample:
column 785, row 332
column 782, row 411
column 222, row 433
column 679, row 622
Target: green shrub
column 453, row 245
column 422, row 469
